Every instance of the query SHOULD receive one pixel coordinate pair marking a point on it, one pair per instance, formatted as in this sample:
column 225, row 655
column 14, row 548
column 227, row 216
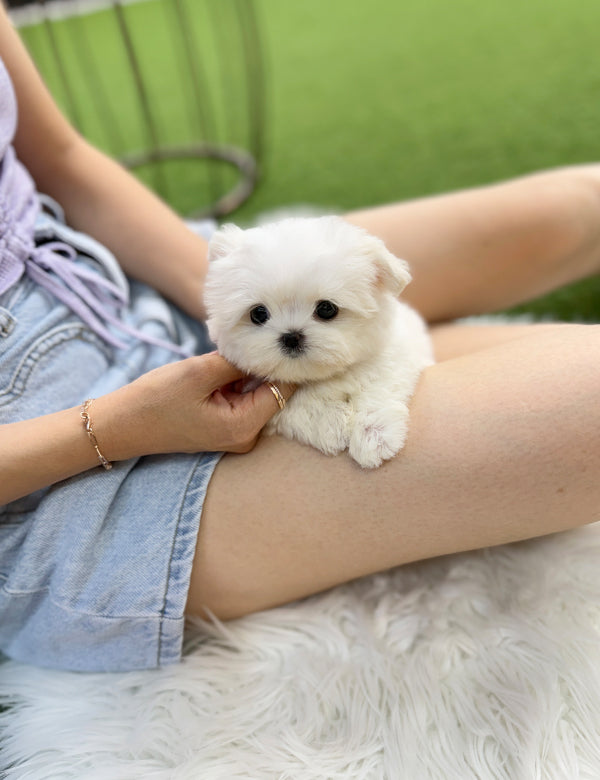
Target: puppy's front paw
column 378, row 435
column 323, row 425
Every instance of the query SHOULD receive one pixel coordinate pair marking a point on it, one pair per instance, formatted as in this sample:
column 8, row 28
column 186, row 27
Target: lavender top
column 18, row 202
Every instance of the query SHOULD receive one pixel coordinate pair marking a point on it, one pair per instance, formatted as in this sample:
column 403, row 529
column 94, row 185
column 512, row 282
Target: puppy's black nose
column 292, row 341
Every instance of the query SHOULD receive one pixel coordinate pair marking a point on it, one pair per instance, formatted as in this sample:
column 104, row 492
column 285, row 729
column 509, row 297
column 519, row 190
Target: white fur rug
column 481, row 665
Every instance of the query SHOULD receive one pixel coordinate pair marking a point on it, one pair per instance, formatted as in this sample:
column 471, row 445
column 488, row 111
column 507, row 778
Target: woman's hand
column 189, row 406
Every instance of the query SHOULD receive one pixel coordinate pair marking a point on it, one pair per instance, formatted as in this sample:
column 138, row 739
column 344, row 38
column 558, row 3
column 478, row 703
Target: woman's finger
column 271, row 397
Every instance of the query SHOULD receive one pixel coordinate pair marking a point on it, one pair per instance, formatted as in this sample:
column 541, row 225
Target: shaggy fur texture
column 314, row 301
column 481, row 665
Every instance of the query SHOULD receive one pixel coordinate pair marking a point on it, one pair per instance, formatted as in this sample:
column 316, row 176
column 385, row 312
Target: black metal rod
column 142, row 92
column 62, row 71
column 104, row 107
column 200, row 107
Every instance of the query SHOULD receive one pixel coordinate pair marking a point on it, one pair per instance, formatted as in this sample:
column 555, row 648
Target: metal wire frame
column 208, row 146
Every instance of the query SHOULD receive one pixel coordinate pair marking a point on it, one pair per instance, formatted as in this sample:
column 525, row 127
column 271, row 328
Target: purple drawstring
column 46, row 249
column 47, row 264
column 51, row 261
column 86, row 293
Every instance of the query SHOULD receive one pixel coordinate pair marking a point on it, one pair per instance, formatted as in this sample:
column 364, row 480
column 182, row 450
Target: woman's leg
column 453, row 340
column 504, row 441
column 486, row 249
column 504, row 444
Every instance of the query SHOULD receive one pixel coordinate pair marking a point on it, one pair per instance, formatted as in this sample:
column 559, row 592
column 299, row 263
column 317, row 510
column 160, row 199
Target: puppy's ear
column 224, row 241
column 392, row 272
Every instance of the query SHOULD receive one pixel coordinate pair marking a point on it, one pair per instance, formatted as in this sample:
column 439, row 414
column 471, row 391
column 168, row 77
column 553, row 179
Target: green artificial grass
column 366, row 102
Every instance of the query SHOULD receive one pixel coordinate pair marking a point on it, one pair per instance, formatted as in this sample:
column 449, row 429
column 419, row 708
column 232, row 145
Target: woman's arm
column 187, row 406
column 99, row 196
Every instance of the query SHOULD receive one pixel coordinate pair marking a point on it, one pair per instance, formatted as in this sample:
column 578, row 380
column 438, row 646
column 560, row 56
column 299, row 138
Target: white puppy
column 314, row 301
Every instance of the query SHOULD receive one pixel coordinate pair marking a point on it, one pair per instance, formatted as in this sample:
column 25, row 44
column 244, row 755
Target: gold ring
column 278, row 395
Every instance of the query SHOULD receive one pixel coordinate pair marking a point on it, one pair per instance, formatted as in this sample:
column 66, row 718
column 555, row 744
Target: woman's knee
column 572, row 195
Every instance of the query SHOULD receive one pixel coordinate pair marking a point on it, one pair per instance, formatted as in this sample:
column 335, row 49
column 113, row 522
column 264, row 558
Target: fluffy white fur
column 356, row 371
column 482, row 666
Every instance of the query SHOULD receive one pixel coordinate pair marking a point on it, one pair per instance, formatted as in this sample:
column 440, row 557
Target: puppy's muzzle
column 292, row 343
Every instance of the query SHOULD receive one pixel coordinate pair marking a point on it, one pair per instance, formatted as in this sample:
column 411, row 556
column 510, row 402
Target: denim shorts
column 95, row 571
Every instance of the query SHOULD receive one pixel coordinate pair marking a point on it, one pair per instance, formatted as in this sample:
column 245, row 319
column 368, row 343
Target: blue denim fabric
column 94, row 571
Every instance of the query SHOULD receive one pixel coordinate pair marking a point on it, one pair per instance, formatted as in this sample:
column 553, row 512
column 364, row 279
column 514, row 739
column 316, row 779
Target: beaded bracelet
column 87, row 424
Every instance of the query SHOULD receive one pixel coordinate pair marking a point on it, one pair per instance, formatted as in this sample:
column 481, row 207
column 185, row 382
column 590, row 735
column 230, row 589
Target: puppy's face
column 301, row 299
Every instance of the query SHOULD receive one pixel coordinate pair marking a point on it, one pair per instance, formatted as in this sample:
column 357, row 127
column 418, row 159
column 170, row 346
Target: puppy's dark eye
column 259, row 315
column 326, row 310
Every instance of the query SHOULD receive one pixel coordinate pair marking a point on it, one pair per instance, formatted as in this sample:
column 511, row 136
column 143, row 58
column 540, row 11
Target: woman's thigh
column 504, row 444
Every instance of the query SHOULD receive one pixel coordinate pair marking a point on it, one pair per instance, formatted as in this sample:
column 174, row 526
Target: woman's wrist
column 119, row 427
column 86, row 418
column 41, row 451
